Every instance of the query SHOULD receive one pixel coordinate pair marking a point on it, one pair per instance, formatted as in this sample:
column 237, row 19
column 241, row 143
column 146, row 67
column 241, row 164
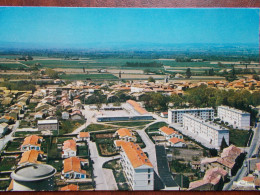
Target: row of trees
column 204, row 97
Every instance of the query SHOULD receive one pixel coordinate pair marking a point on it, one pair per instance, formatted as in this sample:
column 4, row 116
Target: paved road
column 9, row 137
column 242, row 172
column 100, row 178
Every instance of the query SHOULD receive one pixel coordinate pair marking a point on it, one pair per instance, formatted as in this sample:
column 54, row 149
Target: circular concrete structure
column 35, row 177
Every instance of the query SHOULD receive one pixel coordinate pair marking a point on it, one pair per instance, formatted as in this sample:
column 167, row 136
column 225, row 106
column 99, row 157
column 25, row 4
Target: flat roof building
column 44, row 125
column 208, row 131
column 176, row 115
column 238, row 118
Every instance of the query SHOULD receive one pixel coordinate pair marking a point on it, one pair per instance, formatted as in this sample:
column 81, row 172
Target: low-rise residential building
column 169, row 133
column 30, row 157
column 3, row 129
column 76, row 115
column 176, row 142
column 38, row 115
column 125, row 134
column 84, row 136
column 51, row 125
column 73, row 168
column 208, row 131
column 164, row 114
column 213, row 180
column 176, row 115
column 32, row 142
column 69, row 148
column 70, row 187
column 137, row 167
column 227, row 160
column 245, row 182
column 65, row 115
column 238, row 118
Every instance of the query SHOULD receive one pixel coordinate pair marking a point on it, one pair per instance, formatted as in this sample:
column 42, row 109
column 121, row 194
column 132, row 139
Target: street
column 9, row 137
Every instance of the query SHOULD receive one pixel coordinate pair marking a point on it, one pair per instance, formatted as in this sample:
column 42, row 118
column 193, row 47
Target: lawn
column 82, row 151
column 88, row 76
column 118, row 174
column 131, row 124
column 239, row 137
column 4, row 184
column 96, row 127
column 13, row 146
column 68, row 126
column 26, row 133
column 6, row 164
column 106, row 147
column 57, row 164
column 156, row 126
column 60, row 140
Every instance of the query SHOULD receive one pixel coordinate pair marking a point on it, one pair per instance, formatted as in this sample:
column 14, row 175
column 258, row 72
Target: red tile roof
column 70, row 144
column 84, row 134
column 73, row 164
column 70, row 187
column 135, row 154
column 167, row 130
column 32, row 140
column 176, row 140
column 137, row 107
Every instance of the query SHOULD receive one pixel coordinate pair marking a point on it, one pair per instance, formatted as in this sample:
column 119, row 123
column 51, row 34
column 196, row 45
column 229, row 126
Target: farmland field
column 88, row 76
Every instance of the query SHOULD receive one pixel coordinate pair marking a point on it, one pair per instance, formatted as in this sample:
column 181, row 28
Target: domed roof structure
column 33, row 172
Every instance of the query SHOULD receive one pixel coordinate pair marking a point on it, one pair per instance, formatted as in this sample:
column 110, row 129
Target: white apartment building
column 137, row 167
column 238, row 118
column 208, row 131
column 176, row 115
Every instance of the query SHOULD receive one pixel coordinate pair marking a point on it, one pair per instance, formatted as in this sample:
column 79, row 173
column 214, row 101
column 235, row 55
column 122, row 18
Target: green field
column 112, row 62
column 88, row 76
column 12, row 65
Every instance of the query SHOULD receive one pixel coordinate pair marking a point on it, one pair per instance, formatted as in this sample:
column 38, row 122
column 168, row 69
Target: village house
column 176, row 142
column 164, row 114
column 213, row 180
column 84, row 136
column 30, row 157
column 125, row 134
column 72, row 168
column 76, row 115
column 70, row 187
column 50, row 125
column 226, row 161
column 32, row 142
column 169, row 133
column 38, row 115
column 69, row 148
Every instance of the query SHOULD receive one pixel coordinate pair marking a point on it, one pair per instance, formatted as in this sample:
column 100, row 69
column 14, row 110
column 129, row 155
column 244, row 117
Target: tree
column 188, row 73
column 223, row 144
column 52, row 73
column 146, row 71
column 84, row 70
column 151, row 79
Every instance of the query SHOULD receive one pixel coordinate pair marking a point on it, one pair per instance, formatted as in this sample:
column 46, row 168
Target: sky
column 128, row 25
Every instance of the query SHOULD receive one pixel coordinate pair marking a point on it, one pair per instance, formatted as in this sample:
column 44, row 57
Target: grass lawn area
column 68, row 126
column 4, row 184
column 6, row 164
column 14, row 146
column 131, row 124
column 239, row 137
column 96, row 127
column 57, row 164
column 177, row 167
column 156, row 126
column 88, row 76
column 60, row 140
column 82, row 151
column 26, row 133
column 118, row 174
column 106, row 147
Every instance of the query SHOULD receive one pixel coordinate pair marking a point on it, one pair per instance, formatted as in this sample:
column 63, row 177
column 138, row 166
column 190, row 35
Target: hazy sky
column 130, row 25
